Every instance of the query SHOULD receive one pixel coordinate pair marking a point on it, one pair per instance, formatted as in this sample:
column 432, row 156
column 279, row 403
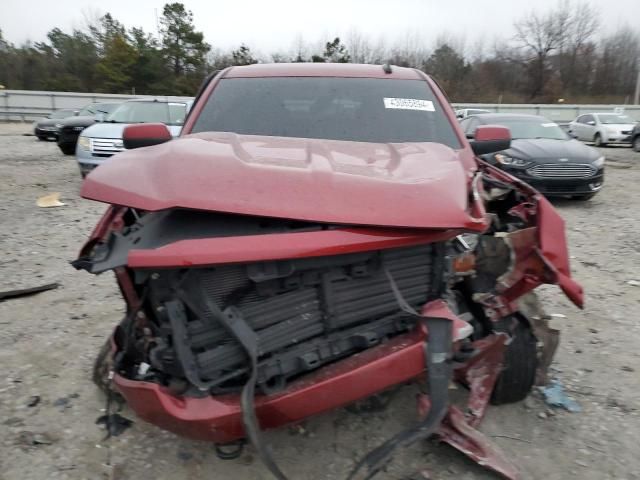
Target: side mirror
column 145, row 135
column 490, row 139
column 99, row 117
column 591, row 122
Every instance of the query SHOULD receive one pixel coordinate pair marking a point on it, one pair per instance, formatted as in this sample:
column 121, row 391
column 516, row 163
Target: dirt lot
column 48, row 341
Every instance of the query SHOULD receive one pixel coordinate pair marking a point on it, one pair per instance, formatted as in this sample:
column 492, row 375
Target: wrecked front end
column 237, row 323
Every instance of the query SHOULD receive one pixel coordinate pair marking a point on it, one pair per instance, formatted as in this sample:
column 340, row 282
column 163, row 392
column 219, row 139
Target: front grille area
column 562, row 170
column 105, row 147
column 306, row 313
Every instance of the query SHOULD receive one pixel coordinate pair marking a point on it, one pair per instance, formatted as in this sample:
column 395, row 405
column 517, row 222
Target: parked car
column 544, row 156
column 635, row 137
column 69, row 129
column 287, row 254
column 45, row 129
column 465, row 112
column 100, row 141
column 602, row 128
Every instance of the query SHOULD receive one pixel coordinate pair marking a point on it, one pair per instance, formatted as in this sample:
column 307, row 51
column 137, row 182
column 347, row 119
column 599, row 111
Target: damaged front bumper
column 316, row 312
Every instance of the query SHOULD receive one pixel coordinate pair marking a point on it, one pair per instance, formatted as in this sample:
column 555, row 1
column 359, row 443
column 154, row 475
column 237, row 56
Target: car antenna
column 387, row 68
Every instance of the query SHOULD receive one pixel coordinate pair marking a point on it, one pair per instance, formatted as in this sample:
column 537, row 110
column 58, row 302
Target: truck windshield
column 149, row 112
column 354, row 109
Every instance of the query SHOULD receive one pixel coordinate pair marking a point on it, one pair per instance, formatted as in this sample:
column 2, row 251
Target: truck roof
column 321, row 70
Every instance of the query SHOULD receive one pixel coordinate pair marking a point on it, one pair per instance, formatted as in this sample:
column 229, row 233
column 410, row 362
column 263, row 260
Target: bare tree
column 539, row 35
column 358, row 46
column 575, row 61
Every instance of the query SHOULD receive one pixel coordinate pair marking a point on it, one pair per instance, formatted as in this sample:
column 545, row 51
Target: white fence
column 28, row 105
column 557, row 112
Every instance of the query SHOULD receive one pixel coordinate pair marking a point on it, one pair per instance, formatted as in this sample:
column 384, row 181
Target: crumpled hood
column 418, row 185
column 551, row 150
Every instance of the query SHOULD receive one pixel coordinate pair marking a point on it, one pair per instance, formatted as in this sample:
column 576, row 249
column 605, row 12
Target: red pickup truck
column 317, row 235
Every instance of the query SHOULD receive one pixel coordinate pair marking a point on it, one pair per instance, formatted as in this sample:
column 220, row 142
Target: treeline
column 555, row 54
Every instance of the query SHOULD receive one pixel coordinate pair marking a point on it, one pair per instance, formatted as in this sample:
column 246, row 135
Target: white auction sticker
column 549, row 124
column 409, row 104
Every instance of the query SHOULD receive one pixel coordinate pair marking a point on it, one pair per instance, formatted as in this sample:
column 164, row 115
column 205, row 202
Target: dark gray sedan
column 45, row 129
column 543, row 155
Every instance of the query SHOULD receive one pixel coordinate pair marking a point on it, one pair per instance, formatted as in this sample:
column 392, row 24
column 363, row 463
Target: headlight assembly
column 507, row 160
column 599, row 162
column 84, row 143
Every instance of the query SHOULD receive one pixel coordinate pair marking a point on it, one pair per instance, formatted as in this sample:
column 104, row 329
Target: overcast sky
column 272, row 25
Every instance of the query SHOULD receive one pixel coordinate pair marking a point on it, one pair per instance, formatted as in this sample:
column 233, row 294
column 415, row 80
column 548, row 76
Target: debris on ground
column 23, row 292
column 33, row 401
column 115, row 424
column 555, row 396
column 633, row 283
column 51, row 200
column 31, row 439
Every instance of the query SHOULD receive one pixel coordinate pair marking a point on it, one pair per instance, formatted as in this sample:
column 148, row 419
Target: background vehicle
column 635, row 137
column 69, row 128
column 602, row 128
column 45, row 129
column 289, row 251
column 102, row 140
column 465, row 112
column 544, row 156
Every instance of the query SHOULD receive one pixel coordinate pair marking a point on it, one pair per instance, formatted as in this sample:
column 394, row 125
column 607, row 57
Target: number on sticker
column 409, row 104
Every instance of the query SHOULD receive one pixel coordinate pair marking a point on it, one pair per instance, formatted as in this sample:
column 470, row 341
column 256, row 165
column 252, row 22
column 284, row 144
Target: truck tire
column 520, row 363
column 67, row 149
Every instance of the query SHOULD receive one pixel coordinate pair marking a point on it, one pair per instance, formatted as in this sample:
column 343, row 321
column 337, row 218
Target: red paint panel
column 210, row 251
column 553, row 246
column 219, row 418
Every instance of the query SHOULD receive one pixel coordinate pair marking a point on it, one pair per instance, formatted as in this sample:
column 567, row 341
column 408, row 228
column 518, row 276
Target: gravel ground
column 48, row 405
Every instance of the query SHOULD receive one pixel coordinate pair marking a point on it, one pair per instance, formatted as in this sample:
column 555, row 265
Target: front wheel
column 636, row 143
column 520, row 362
column 67, row 149
column 597, row 141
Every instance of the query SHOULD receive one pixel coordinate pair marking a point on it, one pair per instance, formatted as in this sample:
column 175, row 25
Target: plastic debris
column 558, row 315
column 22, row 292
column 633, row 283
column 114, row 423
column 555, row 396
column 51, row 200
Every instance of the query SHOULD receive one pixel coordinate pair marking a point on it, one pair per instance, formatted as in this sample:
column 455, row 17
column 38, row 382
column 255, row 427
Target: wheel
column 583, row 198
column 520, row 362
column 635, row 143
column 42, row 139
column 597, row 141
column 67, row 149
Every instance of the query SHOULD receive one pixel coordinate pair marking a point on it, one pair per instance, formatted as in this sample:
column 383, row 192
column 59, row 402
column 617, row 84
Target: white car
column 602, row 128
column 465, row 112
column 99, row 142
